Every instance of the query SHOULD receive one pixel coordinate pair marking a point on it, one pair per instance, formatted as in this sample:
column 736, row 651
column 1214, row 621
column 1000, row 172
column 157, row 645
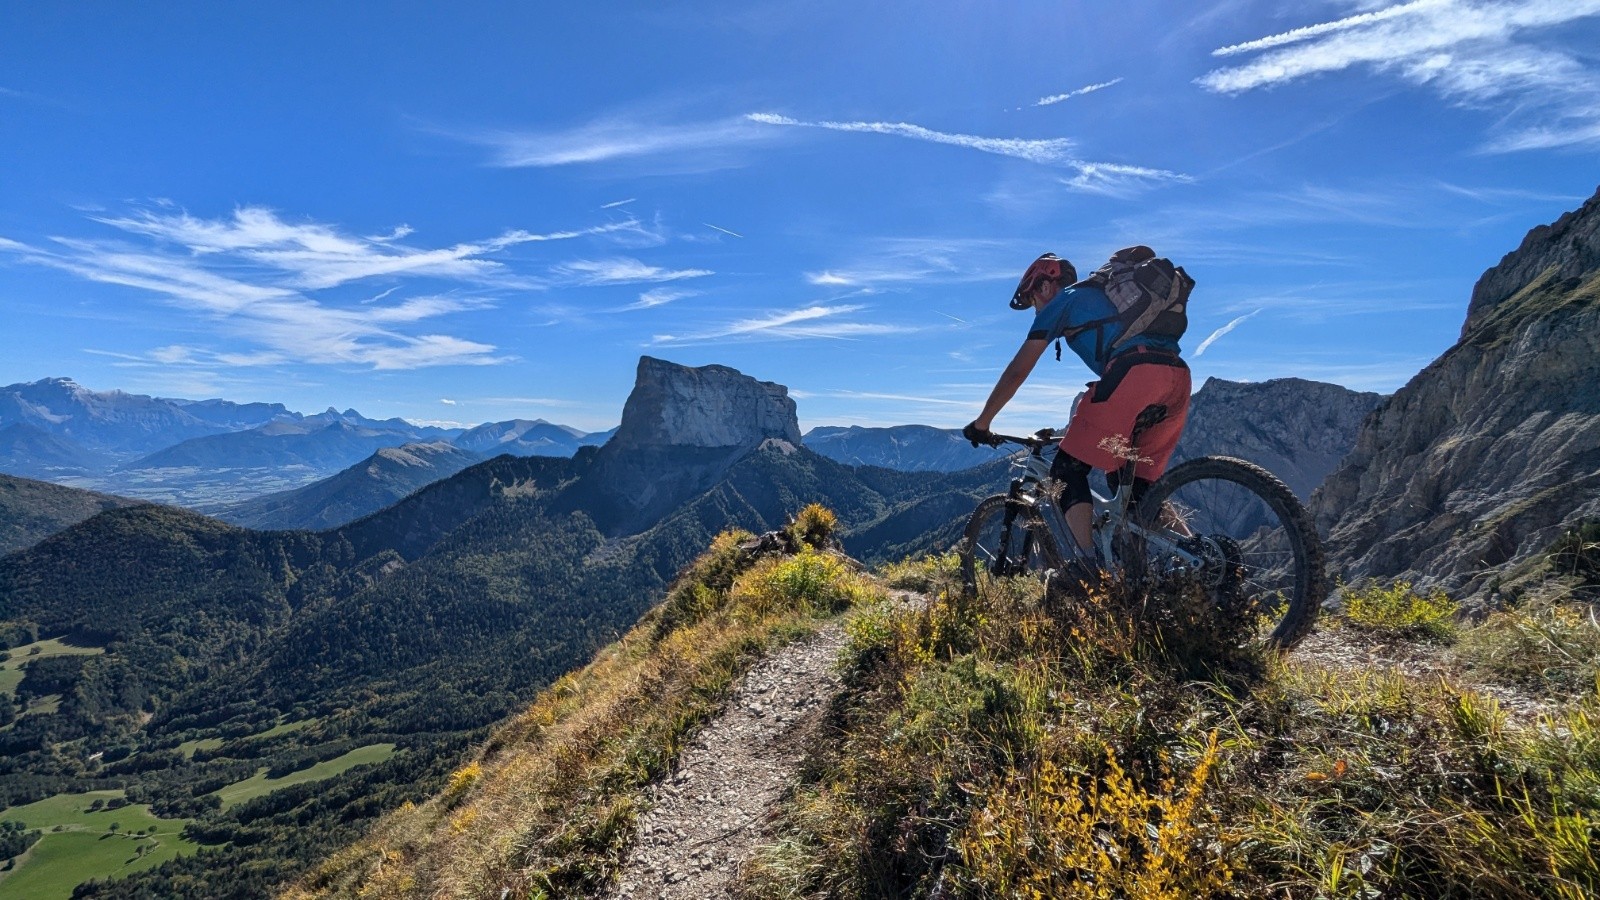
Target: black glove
column 979, row 435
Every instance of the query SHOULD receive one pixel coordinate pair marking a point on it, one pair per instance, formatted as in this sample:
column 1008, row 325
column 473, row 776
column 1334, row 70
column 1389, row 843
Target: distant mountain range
column 380, row 480
column 206, row 454
column 414, row 626
column 909, row 448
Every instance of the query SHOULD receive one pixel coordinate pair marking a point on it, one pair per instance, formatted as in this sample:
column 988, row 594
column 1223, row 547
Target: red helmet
column 1048, row 274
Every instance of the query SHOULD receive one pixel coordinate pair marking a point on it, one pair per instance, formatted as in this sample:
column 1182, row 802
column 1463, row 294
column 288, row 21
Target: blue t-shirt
column 1075, row 307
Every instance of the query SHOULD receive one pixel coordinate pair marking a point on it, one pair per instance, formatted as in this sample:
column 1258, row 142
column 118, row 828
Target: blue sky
column 473, row 211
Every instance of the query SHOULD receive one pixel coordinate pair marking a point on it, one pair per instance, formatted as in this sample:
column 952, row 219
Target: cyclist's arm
column 1010, row 380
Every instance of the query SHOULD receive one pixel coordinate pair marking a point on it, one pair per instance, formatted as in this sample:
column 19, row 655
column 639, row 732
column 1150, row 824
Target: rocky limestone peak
column 1298, row 429
column 682, row 429
column 1464, row 476
column 708, row 407
column 1570, row 244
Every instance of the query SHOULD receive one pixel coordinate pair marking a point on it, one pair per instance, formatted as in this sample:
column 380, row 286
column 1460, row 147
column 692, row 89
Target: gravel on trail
column 708, row 816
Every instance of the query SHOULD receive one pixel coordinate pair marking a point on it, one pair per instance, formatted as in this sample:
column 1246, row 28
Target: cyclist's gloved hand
column 979, row 435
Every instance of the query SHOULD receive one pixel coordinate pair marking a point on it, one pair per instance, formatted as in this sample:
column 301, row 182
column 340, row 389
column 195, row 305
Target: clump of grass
column 548, row 808
column 1400, row 610
column 1576, row 555
column 1549, row 645
column 461, row 781
column 814, row 526
column 702, row 587
column 810, row 581
column 926, row 574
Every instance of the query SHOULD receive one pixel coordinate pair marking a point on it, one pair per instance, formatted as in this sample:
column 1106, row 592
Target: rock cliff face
column 682, row 428
column 711, row 407
column 1298, row 429
column 1487, row 453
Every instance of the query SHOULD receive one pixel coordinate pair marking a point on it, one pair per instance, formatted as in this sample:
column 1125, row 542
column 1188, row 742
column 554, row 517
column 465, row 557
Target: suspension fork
column 1003, row 559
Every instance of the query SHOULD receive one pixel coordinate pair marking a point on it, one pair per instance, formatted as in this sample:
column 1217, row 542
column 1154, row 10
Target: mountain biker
column 1145, row 371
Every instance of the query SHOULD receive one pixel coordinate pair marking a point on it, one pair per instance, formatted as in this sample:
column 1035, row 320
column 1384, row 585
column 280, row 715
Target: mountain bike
column 1227, row 522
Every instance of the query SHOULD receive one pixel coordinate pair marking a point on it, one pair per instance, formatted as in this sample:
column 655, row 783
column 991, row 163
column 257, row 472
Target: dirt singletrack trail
column 707, row 817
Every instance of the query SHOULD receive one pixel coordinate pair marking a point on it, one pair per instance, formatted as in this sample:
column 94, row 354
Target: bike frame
column 1033, row 487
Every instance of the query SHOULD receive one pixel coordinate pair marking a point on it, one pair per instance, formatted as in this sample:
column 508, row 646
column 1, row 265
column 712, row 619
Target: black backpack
column 1150, row 293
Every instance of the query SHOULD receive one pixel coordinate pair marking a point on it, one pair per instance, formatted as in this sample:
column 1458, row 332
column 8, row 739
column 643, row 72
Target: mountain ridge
column 1487, row 454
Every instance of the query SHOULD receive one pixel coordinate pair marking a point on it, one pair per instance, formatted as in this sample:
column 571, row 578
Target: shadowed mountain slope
column 378, row 481
column 31, row 452
column 31, row 511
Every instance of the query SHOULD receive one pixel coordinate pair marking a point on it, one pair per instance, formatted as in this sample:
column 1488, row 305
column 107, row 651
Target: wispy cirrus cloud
column 615, row 138
column 313, row 256
column 622, row 270
column 1091, row 177
column 894, row 262
column 256, row 278
column 658, row 297
column 818, row 321
column 1113, row 180
column 1053, row 99
column 1482, row 53
column 1045, row 150
column 712, row 144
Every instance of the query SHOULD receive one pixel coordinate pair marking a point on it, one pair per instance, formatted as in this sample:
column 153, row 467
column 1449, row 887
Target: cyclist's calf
column 1073, row 474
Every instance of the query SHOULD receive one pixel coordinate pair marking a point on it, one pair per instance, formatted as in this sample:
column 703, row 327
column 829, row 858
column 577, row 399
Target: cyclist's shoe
column 1077, row 579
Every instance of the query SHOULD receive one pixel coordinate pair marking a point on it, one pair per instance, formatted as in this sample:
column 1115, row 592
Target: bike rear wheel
column 1258, row 542
column 1005, row 538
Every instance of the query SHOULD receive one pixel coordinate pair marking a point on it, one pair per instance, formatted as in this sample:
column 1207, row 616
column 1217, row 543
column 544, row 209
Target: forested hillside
column 270, row 692
column 31, row 511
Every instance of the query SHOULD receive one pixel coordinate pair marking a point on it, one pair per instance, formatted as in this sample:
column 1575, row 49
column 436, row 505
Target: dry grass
column 1550, row 646
column 1002, row 747
column 547, row 808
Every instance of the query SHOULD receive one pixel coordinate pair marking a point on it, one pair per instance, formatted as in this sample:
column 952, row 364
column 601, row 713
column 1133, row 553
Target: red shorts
column 1097, row 426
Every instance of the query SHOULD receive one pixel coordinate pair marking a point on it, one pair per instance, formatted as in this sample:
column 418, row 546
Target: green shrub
column 923, row 574
column 703, row 587
column 1577, row 553
column 1400, row 610
column 809, row 581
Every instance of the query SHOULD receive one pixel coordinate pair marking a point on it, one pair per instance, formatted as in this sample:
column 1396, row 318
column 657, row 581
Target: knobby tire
column 1309, row 576
column 1029, row 556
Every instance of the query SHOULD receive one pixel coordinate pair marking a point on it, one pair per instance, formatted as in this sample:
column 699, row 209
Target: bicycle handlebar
column 1044, row 437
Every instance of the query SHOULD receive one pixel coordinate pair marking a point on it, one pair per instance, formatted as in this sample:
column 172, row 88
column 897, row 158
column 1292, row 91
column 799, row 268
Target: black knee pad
column 1073, row 474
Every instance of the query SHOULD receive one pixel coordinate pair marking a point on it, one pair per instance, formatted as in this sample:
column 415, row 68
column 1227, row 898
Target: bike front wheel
column 1256, row 541
column 1004, row 538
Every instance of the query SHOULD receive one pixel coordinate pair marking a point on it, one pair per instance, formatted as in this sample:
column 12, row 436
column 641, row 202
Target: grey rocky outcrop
column 1481, row 459
column 682, row 428
column 710, row 406
column 1298, row 430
